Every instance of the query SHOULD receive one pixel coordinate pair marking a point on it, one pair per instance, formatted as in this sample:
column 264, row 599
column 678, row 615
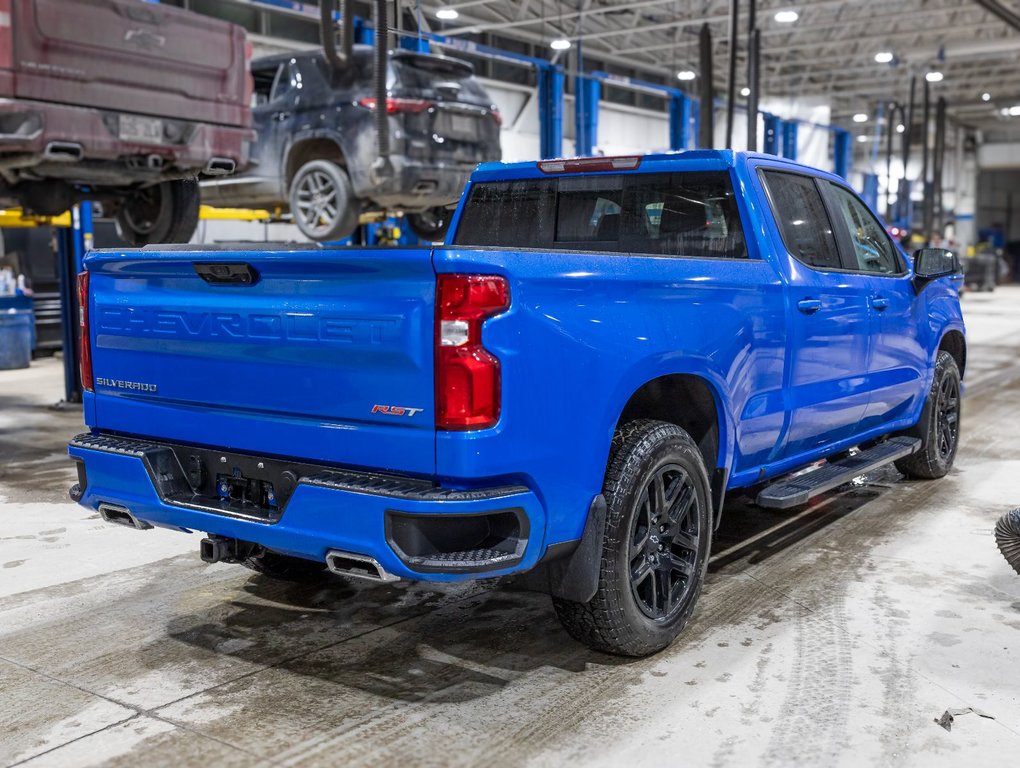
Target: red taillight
column 85, row 346
column 590, row 164
column 467, row 374
column 394, row 106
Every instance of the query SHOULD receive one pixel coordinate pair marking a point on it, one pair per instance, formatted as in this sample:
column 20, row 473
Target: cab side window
column 803, row 223
column 873, row 250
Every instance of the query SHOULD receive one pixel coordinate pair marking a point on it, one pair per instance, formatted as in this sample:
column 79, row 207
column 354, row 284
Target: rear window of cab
column 680, row 214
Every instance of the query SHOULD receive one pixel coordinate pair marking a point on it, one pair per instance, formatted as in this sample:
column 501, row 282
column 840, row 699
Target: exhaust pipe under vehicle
column 219, row 166
column 358, row 566
column 64, row 152
column 112, row 513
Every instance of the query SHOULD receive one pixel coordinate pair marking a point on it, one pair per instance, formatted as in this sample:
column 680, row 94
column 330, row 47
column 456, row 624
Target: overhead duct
column 382, row 168
column 337, row 58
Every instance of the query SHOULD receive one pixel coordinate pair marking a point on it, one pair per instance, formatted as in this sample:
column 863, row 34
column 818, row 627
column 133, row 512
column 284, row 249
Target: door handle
column 879, row 303
column 809, row 306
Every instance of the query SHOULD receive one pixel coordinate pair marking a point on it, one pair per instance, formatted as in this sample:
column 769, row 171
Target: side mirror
column 932, row 263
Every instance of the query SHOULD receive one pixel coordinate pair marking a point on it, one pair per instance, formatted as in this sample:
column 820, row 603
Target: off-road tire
column 939, row 426
column 326, row 182
column 286, row 568
column 163, row 213
column 614, row 620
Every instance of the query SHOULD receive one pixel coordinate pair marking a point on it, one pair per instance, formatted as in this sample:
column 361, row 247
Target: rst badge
column 396, row 410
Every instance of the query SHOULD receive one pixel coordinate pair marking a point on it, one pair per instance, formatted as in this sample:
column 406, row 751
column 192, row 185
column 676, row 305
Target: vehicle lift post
column 72, row 245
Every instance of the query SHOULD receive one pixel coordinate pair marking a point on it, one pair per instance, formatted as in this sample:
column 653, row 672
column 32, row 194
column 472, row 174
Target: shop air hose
column 1007, row 537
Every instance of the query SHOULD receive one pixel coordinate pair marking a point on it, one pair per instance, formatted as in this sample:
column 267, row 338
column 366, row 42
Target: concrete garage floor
column 831, row 635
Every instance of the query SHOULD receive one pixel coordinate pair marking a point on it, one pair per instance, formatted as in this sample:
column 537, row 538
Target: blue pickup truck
column 566, row 389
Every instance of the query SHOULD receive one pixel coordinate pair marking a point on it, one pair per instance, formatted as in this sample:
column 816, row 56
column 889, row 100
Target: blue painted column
column 696, row 121
column 364, row 32
column 586, row 114
column 789, row 133
column 843, row 154
column 772, row 129
column 870, row 192
column 550, row 111
column 679, row 121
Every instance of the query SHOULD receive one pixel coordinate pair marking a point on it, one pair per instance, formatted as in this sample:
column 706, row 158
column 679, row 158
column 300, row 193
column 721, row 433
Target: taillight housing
column 395, row 106
column 85, row 345
column 467, row 375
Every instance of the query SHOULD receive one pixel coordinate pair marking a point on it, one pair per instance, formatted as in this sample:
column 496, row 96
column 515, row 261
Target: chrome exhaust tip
column 358, row 566
column 64, row 151
column 113, row 513
column 219, row 166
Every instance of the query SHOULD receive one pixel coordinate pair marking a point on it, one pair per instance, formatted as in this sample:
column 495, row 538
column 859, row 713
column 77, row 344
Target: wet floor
column 831, row 635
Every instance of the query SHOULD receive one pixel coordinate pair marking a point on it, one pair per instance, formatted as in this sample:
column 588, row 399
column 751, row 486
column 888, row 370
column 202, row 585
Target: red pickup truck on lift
column 123, row 102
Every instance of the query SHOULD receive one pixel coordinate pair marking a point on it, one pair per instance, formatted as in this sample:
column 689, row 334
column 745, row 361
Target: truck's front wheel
column 656, row 543
column 939, row 427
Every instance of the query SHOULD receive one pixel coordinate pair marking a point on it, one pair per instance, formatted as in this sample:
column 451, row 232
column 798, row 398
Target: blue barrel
column 16, row 327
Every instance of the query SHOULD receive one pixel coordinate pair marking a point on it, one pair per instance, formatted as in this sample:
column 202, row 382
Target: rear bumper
column 402, row 523
column 29, row 128
column 415, row 184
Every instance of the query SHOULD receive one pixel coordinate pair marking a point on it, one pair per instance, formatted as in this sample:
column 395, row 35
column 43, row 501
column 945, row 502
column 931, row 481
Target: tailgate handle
column 227, row 274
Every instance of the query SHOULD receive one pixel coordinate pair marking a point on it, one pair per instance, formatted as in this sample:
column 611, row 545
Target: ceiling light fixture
column 745, row 91
column 933, row 77
column 685, row 74
column 860, row 117
column 861, row 139
column 901, row 128
column 561, row 44
column 884, row 57
column 787, row 17
column 447, row 14
column 986, row 97
column 1014, row 111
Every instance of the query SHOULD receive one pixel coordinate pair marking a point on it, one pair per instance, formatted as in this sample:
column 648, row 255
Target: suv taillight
column 85, row 345
column 396, row 106
column 467, row 374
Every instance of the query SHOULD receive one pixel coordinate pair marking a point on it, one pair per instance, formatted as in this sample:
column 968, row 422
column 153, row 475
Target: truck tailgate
column 129, row 56
column 324, row 355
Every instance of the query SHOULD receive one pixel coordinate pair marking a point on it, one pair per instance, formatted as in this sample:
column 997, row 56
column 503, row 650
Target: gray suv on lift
column 317, row 141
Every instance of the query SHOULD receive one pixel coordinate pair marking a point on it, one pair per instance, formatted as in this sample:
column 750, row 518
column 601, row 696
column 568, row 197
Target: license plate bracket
column 146, row 130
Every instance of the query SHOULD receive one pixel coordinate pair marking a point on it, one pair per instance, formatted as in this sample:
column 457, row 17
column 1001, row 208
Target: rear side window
column 691, row 214
column 803, row 222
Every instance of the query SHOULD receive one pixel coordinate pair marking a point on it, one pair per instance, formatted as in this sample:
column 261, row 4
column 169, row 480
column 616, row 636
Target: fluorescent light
column 787, row 17
column 745, row 91
column 901, row 128
column 986, row 97
column 560, row 44
column 447, row 14
column 862, row 139
column 883, row 57
column 860, row 117
column 933, row 77
column 685, row 74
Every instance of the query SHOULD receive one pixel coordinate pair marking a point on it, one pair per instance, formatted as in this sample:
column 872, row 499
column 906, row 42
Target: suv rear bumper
column 414, row 529
column 415, row 184
column 38, row 133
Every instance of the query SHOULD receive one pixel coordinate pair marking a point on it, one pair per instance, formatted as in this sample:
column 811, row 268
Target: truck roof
column 688, row 159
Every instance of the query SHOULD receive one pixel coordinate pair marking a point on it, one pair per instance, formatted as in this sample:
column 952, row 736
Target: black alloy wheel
column 664, row 543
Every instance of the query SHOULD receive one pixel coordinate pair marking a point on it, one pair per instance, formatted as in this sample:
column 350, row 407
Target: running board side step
column 795, row 491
